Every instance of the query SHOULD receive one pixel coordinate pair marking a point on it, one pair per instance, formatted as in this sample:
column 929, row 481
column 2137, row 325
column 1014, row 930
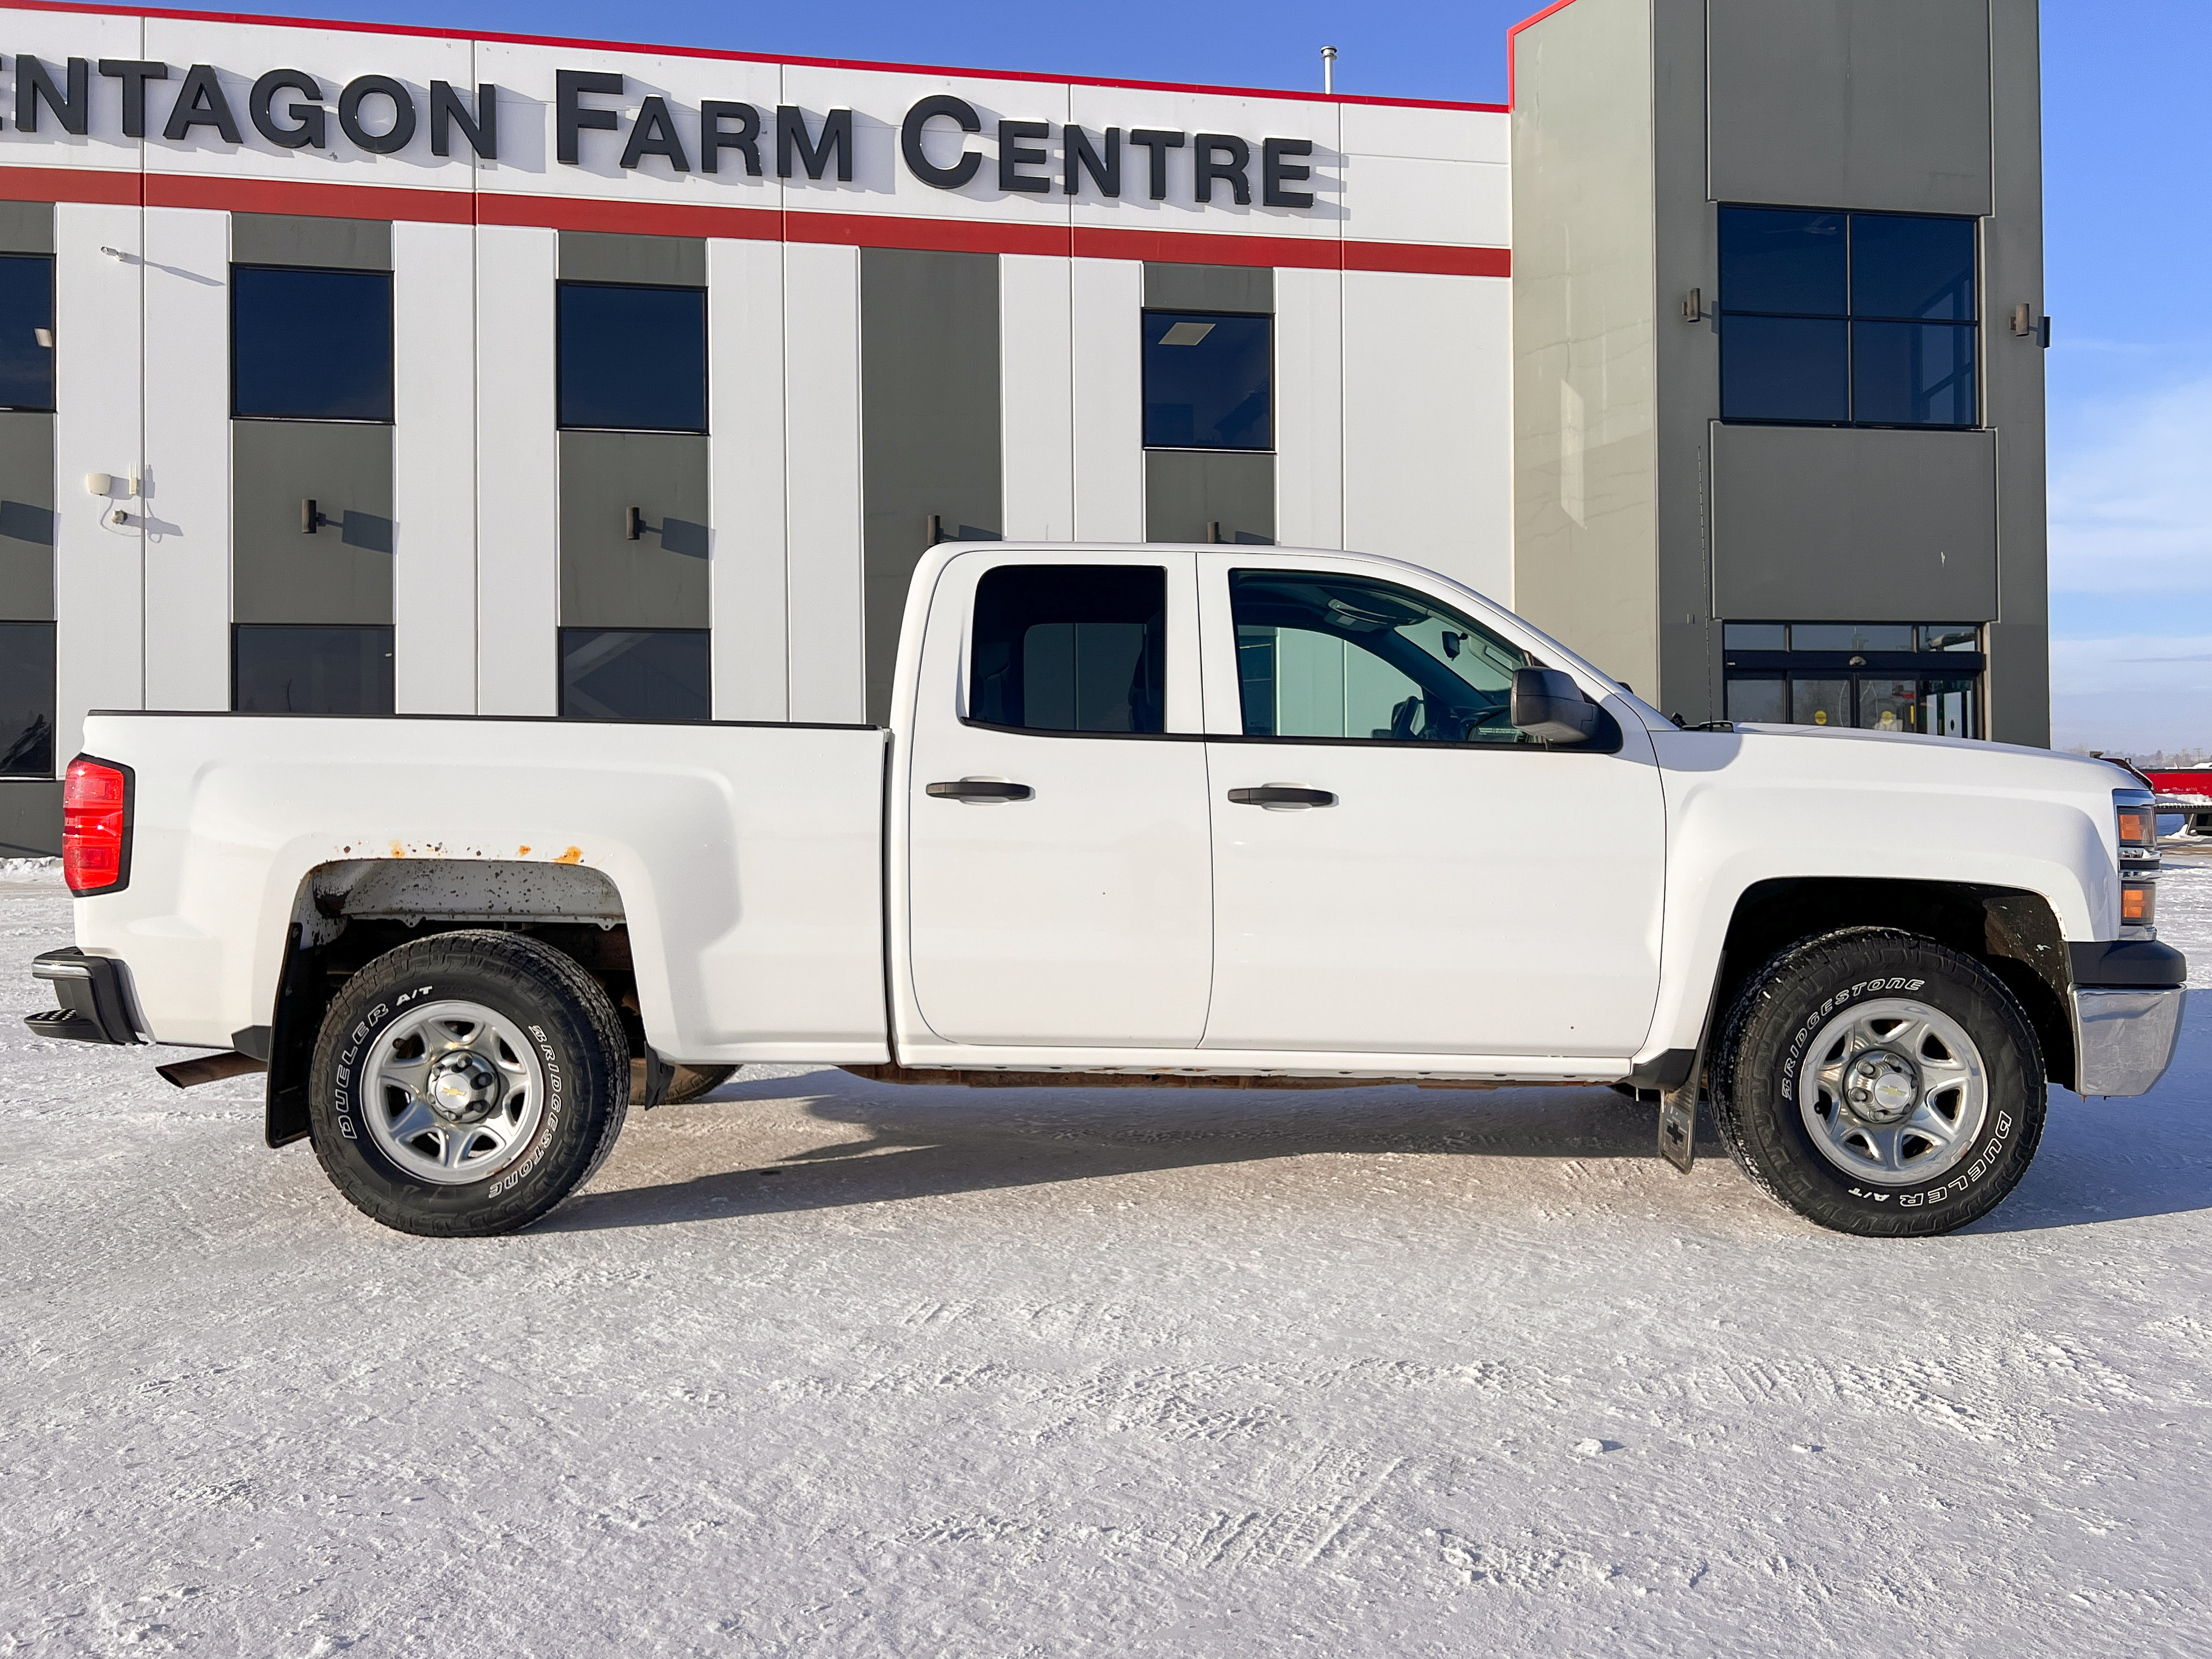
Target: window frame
column 390, row 345
column 705, row 427
column 1791, row 663
column 561, row 635
column 1850, row 317
column 1224, row 714
column 54, row 362
column 239, row 630
column 1274, row 376
column 55, row 763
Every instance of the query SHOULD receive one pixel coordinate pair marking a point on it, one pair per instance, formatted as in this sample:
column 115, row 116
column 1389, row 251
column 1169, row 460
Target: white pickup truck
column 1165, row 816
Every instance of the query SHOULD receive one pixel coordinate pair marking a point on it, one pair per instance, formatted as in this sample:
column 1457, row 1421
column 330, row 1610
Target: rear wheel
column 465, row 1083
column 1878, row 1084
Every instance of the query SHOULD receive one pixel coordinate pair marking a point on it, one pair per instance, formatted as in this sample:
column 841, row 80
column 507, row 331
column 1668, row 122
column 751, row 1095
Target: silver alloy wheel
column 453, row 1092
column 1893, row 1092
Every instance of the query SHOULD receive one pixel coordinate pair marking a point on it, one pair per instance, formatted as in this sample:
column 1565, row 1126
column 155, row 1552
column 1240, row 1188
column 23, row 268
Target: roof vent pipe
column 1328, row 69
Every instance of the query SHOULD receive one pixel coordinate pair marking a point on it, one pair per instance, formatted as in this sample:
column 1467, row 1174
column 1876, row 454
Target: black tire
column 1764, row 1051
column 578, row 1065
column 692, row 1081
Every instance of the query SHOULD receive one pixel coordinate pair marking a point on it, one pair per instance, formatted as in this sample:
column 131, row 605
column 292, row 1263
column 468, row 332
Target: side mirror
column 1551, row 707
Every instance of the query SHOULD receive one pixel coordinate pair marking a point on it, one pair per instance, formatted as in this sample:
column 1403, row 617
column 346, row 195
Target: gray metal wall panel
column 341, row 573
column 30, row 818
column 283, row 239
column 2013, row 382
column 930, row 427
column 1210, row 288
column 27, row 516
column 1819, row 524
column 658, row 581
column 591, row 256
column 1586, row 480
column 1687, row 358
column 1188, row 490
column 27, row 226
column 1851, row 103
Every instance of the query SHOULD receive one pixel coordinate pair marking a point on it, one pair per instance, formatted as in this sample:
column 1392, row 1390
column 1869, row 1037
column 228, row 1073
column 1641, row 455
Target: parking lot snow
column 822, row 1366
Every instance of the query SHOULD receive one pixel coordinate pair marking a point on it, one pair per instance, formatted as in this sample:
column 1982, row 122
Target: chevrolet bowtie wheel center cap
column 1881, row 1087
column 463, row 1088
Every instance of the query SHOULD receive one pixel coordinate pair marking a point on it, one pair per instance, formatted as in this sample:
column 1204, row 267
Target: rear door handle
column 1280, row 796
column 982, row 789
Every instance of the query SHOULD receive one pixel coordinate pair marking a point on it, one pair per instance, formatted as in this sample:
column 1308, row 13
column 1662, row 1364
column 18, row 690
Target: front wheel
column 465, row 1083
column 1879, row 1084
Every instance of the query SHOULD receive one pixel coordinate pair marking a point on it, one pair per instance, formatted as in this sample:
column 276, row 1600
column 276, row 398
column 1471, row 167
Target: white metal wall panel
column 1252, row 117
column 822, row 403
column 519, row 463
column 98, row 566
column 1108, row 303
column 434, row 469
column 1428, row 423
column 186, row 477
column 1036, row 374
column 746, row 460
column 1310, row 408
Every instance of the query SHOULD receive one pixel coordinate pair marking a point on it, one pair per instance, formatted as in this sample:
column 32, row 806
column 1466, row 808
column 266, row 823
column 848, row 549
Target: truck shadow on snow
column 923, row 1142
column 2101, row 1161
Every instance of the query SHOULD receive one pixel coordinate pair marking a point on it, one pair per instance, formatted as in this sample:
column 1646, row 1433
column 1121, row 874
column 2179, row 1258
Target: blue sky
column 2127, row 138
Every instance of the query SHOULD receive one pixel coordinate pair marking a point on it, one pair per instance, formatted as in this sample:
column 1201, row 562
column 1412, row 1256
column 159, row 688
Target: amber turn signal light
column 2138, row 826
column 2138, row 903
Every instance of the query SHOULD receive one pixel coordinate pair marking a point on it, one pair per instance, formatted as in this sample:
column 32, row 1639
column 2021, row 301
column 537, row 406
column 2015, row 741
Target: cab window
column 1070, row 647
column 1321, row 655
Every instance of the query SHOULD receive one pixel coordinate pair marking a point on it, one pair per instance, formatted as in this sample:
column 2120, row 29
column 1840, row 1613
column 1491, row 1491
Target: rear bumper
column 95, row 998
column 2125, row 1038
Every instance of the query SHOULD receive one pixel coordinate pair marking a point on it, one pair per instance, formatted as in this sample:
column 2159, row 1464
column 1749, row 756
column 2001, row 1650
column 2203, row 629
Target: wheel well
column 351, row 911
column 2014, row 935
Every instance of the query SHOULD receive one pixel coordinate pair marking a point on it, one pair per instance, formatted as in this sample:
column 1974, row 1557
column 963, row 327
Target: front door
column 1398, row 870
column 1060, row 887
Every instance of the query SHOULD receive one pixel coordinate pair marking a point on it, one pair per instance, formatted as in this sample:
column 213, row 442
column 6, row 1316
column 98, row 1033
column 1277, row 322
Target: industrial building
column 354, row 369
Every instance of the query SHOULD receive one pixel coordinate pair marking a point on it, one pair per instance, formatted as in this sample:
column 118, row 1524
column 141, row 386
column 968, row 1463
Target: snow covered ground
column 825, row 1367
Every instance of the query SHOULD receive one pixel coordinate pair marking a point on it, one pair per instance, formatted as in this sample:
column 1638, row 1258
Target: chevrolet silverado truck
column 1157, row 816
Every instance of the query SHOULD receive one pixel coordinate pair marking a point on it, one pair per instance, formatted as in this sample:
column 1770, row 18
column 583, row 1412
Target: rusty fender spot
column 521, row 852
column 574, row 855
column 398, row 851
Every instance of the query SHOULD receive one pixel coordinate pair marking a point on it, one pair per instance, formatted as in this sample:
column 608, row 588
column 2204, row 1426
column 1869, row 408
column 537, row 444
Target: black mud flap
column 1678, row 1122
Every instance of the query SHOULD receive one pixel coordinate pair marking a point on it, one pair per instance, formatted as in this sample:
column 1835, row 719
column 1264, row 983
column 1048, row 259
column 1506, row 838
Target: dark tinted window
column 1846, row 319
column 1913, row 267
column 310, row 345
column 1327, row 656
column 1070, row 647
column 27, row 700
column 1786, row 368
column 1209, row 380
column 635, row 673
column 1785, row 261
column 311, row 671
column 26, row 307
column 633, row 359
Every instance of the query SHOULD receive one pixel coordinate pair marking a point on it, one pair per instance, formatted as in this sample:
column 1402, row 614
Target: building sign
column 380, row 115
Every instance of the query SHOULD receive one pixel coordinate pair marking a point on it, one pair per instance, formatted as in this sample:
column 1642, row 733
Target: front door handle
column 1282, row 797
column 982, row 789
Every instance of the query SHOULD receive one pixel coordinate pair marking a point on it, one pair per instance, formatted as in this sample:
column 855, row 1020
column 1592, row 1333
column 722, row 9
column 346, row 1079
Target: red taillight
column 95, row 826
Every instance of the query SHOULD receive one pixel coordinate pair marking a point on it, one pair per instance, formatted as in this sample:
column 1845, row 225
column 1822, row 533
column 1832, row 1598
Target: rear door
column 1059, row 883
column 1397, row 870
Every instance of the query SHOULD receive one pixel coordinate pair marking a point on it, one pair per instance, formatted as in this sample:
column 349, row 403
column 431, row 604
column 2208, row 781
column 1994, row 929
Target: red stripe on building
column 69, row 184
column 460, row 207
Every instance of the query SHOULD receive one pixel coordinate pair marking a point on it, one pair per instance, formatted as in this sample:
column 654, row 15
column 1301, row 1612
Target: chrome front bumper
column 2124, row 1038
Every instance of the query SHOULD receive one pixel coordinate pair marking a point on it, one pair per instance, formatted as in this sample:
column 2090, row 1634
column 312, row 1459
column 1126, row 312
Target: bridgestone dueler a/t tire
column 578, row 1042
column 1763, row 1048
